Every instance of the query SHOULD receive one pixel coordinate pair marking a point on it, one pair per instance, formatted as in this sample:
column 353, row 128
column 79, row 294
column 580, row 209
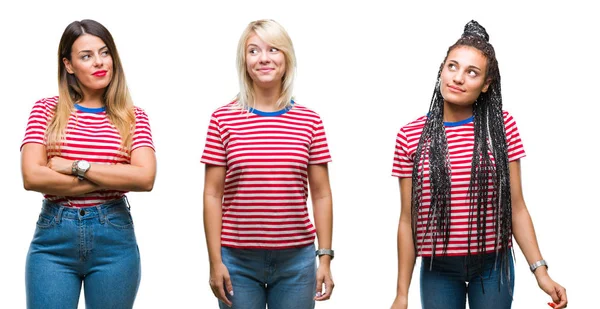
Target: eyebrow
column 89, row 51
column 471, row 66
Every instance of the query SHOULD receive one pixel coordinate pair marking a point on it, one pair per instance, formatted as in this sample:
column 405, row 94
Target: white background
column 368, row 69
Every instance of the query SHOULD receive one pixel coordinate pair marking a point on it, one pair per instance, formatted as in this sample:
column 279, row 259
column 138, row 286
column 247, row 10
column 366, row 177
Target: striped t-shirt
column 266, row 188
column 460, row 137
column 89, row 136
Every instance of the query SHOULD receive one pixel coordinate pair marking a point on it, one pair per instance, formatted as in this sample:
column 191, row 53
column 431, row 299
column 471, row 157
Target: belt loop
column 101, row 215
column 127, row 202
column 59, row 214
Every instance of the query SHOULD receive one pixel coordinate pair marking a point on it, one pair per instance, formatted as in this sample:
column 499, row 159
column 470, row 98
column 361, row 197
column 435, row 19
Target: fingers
column 218, row 289
column 228, row 285
column 328, row 289
column 319, row 289
column 562, row 297
column 553, row 294
column 559, row 297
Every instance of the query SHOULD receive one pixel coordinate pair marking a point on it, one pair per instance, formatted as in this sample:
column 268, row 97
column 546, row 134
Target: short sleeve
column 318, row 152
column 214, row 149
column 403, row 164
column 513, row 139
column 37, row 124
column 142, row 136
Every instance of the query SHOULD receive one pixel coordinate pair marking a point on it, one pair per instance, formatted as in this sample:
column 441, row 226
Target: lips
column 100, row 73
column 455, row 89
column 265, row 70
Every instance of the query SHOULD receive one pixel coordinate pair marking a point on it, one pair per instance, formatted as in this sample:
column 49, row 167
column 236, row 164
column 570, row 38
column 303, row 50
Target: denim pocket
column 45, row 221
column 120, row 218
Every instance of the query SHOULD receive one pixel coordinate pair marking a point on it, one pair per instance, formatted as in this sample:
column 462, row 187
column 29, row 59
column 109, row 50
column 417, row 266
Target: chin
column 459, row 103
column 454, row 100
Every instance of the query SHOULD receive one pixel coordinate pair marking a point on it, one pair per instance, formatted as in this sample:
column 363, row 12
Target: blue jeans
column 95, row 246
column 453, row 278
column 282, row 278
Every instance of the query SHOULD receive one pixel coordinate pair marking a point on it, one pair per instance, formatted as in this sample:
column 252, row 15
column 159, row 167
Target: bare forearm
column 43, row 179
column 212, row 227
column 406, row 256
column 323, row 213
column 123, row 177
column 525, row 235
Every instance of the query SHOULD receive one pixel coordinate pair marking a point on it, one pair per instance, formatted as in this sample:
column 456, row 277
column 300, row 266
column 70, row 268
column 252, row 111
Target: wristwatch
column 79, row 168
column 325, row 252
column 537, row 264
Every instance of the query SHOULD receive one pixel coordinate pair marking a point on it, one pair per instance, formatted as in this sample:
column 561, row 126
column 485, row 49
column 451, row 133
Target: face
column 463, row 76
column 265, row 64
column 90, row 62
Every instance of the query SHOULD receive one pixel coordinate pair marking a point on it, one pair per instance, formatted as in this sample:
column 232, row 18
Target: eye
column 274, row 49
column 85, row 57
column 452, row 66
column 253, row 51
column 472, row 73
column 105, row 53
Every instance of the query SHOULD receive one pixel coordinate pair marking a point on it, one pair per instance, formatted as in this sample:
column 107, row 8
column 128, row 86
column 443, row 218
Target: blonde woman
column 263, row 152
column 84, row 150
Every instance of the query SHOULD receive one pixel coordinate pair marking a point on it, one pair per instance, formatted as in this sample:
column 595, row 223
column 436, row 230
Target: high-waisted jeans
column 95, row 246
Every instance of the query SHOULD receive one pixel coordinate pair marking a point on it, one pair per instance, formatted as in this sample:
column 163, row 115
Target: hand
column 60, row 165
column 401, row 302
column 221, row 282
column 324, row 277
column 555, row 290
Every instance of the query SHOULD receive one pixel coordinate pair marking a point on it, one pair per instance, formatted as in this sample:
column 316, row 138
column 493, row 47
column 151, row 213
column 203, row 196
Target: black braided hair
column 490, row 137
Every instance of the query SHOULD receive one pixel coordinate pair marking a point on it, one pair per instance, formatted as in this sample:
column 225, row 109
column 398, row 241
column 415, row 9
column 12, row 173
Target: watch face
column 83, row 165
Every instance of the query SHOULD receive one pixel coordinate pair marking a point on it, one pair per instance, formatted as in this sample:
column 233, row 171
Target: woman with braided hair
column 460, row 188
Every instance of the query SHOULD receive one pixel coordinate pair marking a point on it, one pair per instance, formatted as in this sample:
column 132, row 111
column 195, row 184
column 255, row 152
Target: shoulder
column 46, row 104
column 140, row 113
column 415, row 125
column 226, row 110
column 301, row 110
column 509, row 120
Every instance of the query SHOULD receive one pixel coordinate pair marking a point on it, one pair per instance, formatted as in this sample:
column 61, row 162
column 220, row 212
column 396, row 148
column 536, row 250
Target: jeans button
column 82, row 212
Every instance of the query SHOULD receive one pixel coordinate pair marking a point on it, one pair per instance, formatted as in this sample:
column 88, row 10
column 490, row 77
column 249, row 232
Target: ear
column 486, row 85
column 68, row 65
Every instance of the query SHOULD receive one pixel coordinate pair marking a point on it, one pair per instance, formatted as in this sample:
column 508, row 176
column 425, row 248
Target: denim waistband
column 99, row 211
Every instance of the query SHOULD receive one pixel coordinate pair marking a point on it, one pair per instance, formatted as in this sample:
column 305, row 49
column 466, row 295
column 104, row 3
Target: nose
column 458, row 77
column 98, row 61
column 264, row 58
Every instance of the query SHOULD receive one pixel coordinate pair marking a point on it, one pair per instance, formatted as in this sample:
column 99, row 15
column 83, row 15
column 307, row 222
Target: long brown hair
column 119, row 106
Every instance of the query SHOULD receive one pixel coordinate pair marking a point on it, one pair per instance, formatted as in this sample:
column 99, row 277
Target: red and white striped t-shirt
column 89, row 136
column 460, row 137
column 266, row 188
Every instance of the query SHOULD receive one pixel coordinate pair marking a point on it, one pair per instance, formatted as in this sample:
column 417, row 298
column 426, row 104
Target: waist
column 62, row 211
column 87, row 200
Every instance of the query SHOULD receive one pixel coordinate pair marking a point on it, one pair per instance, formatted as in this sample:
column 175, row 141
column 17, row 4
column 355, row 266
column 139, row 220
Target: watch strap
column 537, row 264
column 74, row 168
column 325, row 252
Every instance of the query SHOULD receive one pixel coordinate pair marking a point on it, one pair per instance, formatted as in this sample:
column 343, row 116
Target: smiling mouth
column 456, row 89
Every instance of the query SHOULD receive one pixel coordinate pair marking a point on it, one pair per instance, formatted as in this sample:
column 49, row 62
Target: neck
column 92, row 99
column 454, row 112
column 265, row 99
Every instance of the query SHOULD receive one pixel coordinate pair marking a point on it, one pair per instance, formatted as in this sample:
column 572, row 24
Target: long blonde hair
column 274, row 34
column 119, row 106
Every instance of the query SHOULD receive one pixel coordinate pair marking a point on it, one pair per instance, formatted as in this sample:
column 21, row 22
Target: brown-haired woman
column 84, row 149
